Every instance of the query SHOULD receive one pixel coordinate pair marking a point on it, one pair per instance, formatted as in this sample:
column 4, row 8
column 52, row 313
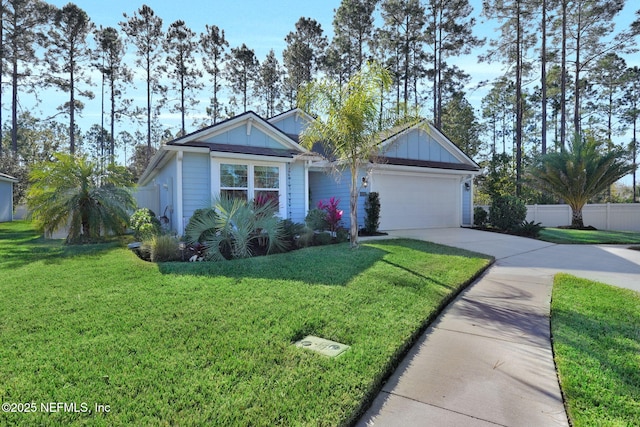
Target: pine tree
column 449, row 32
column 242, row 67
column 213, row 45
column 67, row 51
column 144, row 30
column 113, row 68
column 403, row 32
column 353, row 29
column 180, row 45
column 268, row 85
column 21, row 25
column 303, row 55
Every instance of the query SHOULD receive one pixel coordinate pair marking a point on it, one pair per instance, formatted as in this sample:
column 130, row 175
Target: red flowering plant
column 334, row 215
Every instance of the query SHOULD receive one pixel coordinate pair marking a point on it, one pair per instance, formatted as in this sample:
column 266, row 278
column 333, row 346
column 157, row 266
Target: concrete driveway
column 487, row 359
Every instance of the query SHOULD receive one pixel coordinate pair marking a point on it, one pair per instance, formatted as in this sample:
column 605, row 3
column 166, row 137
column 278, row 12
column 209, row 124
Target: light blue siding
column 323, row 186
column 238, row 136
column 292, row 125
column 419, row 145
column 296, row 193
column 196, row 181
column 6, row 201
column 168, row 192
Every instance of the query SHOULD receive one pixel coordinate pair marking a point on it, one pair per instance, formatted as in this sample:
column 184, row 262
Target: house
column 6, row 197
column 423, row 179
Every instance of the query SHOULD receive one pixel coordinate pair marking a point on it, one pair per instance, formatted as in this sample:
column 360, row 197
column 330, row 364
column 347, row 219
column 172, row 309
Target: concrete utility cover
column 322, row 346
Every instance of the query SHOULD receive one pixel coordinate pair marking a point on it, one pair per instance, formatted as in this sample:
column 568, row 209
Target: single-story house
column 6, row 197
column 423, row 179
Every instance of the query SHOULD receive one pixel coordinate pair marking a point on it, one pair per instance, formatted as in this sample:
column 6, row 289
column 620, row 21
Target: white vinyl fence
column 609, row 216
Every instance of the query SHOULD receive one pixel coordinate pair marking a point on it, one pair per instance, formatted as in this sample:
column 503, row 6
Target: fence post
column 608, row 215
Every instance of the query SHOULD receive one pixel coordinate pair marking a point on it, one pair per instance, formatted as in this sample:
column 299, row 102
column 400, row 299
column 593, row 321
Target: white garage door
column 412, row 201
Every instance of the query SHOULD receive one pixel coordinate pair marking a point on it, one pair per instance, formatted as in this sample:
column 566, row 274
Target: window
column 260, row 183
column 266, row 180
column 234, row 181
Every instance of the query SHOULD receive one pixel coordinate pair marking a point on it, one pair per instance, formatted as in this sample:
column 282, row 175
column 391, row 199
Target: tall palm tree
column 579, row 173
column 72, row 190
column 348, row 123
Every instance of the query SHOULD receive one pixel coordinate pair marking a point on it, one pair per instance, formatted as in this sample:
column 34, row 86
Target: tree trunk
column 563, row 79
column 543, row 78
column 353, row 208
column 576, row 218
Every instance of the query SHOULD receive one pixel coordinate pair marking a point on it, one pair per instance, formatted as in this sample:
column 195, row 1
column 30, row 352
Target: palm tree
column 233, row 225
column 348, row 123
column 579, row 173
column 72, row 190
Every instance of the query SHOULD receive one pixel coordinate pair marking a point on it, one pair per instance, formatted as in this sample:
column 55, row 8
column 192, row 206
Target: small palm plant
column 233, row 227
column 72, row 190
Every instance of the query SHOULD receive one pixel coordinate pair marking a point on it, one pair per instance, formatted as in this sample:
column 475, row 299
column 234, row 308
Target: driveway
column 487, row 359
column 612, row 264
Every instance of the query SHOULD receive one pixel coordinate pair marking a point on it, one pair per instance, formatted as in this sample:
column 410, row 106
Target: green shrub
column 236, row 229
column 480, row 216
column 305, row 238
column 199, row 215
column 317, row 219
column 322, row 239
column 144, row 224
column 372, row 213
column 507, row 212
column 528, row 229
column 161, row 248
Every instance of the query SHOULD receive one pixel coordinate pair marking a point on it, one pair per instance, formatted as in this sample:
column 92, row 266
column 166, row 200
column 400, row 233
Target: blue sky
column 262, row 25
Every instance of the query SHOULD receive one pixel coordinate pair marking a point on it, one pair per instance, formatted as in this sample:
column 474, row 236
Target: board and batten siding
column 419, row 145
column 245, row 136
column 291, row 125
column 296, row 178
column 196, row 183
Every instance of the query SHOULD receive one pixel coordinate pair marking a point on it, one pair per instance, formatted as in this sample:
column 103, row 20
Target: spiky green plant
column 579, row 173
column 236, row 225
column 72, row 190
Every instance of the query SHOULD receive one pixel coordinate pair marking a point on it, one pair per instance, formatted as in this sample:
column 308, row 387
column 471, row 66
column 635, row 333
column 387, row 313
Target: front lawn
column 210, row 343
column 596, row 342
column 569, row 236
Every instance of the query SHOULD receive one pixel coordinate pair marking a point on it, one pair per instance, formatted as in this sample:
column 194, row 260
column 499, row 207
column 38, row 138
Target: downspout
column 179, row 207
column 307, row 163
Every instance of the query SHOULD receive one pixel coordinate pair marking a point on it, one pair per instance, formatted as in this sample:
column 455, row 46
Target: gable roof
column 462, row 160
column 8, row 178
column 210, row 139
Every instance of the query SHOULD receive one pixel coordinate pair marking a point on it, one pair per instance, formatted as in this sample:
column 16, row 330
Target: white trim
column 250, row 157
column 179, row 208
column 306, row 187
column 409, row 170
column 283, row 194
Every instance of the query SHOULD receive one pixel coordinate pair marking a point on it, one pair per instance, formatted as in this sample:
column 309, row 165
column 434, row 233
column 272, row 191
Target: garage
column 409, row 201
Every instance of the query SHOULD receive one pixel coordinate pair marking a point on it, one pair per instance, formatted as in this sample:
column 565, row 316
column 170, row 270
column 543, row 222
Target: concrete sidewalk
column 487, row 359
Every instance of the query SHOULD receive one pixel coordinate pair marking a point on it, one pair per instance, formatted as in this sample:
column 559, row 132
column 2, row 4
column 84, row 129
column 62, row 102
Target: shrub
column 322, row 238
column 144, row 224
column 199, row 215
column 316, row 219
column 528, row 229
column 333, row 215
column 162, row 248
column 480, row 216
column 372, row 213
column 236, row 229
column 507, row 212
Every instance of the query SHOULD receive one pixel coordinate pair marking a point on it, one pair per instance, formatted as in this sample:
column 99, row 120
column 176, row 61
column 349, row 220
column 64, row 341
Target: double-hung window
column 251, row 182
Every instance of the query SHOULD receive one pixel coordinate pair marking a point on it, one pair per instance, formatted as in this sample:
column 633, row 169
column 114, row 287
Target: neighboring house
column 6, row 197
column 423, row 179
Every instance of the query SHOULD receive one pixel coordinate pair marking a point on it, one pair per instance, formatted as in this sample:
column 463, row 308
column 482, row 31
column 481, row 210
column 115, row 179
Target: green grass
column 596, row 342
column 568, row 236
column 211, row 343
